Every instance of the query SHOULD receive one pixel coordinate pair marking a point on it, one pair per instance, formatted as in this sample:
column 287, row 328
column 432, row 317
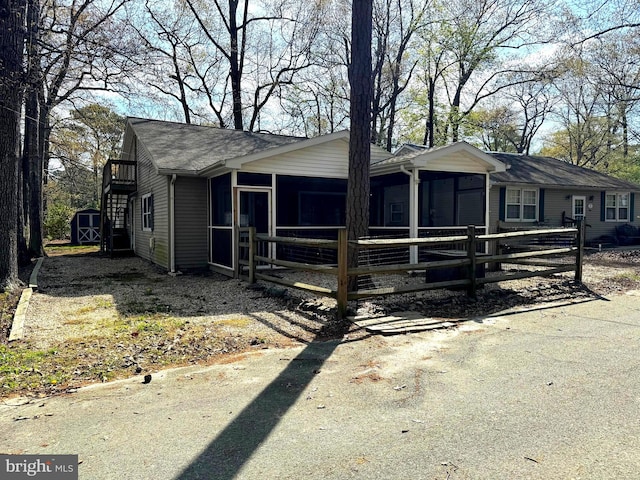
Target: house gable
column 319, row 157
column 457, row 157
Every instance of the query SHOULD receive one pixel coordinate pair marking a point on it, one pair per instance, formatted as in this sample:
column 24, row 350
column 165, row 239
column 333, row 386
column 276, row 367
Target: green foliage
column 493, row 129
column 82, row 144
column 56, row 222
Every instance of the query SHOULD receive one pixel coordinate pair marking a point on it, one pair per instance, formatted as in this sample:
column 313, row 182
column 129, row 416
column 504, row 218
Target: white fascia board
column 384, row 168
column 176, row 171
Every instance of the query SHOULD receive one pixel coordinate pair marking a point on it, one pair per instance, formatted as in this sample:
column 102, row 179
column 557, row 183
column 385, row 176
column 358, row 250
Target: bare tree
column 433, row 62
column 318, row 103
column 534, row 103
column 480, row 32
column 79, row 49
column 586, row 137
column 264, row 50
column 177, row 62
column 617, row 60
column 594, row 19
column 395, row 25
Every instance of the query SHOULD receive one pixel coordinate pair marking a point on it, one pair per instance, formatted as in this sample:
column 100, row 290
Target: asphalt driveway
column 551, row 393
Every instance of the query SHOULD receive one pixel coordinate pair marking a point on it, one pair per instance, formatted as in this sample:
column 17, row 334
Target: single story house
column 535, row 191
column 178, row 191
column 544, row 191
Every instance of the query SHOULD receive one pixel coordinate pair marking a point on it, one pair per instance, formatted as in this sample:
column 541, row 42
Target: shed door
column 88, row 227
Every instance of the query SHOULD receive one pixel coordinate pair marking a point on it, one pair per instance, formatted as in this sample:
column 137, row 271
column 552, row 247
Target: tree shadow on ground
column 234, row 446
column 457, row 305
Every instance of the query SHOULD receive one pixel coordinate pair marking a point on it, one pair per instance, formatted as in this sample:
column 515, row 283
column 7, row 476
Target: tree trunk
column 44, row 133
column 31, row 152
column 360, row 113
column 33, row 178
column 235, row 72
column 429, row 135
column 11, row 87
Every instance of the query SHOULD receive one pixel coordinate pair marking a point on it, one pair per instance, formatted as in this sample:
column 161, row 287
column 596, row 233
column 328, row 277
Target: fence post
column 580, row 252
column 343, row 273
column 471, row 254
column 252, row 252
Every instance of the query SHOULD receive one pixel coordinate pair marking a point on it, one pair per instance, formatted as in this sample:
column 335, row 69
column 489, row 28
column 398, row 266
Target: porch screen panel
column 443, row 205
column 389, row 205
column 448, row 199
column 310, row 202
column 254, row 179
column 220, row 194
column 470, row 208
column 470, row 200
column 221, row 246
column 220, row 221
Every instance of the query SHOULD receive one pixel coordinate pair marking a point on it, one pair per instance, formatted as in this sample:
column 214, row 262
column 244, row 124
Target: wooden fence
column 521, row 247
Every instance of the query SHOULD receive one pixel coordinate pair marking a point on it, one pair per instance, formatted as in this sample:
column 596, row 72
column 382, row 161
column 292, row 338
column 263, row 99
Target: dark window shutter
column 603, row 200
column 151, row 209
column 541, row 205
column 503, row 203
column 632, row 201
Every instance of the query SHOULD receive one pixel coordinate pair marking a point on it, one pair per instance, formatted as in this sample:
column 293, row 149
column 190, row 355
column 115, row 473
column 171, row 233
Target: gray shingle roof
column 538, row 170
column 188, row 148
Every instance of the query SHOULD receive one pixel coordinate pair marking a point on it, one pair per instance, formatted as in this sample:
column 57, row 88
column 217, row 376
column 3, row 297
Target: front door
column 255, row 211
column 579, row 207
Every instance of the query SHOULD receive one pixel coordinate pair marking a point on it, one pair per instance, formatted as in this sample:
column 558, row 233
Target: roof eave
column 177, row 171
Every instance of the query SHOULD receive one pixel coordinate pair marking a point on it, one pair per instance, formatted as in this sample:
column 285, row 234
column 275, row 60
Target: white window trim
column 617, row 207
column 520, row 219
column 146, row 212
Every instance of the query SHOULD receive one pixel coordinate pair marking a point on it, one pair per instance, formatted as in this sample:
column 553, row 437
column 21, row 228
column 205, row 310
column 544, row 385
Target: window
column 579, row 210
column 396, row 213
column 147, row 212
column 617, row 207
column 521, row 205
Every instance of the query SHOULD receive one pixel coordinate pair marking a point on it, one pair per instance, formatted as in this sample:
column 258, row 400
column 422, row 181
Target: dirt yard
column 96, row 319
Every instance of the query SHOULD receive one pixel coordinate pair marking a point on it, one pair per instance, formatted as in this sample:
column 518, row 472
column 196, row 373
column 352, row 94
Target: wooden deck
column 400, row 322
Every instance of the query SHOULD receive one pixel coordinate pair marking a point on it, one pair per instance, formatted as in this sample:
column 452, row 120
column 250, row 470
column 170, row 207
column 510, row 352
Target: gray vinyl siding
column 329, row 160
column 556, row 202
column 153, row 245
column 191, row 223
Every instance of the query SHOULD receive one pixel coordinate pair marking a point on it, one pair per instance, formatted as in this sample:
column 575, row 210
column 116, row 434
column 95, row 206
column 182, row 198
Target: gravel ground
column 77, row 292
column 98, row 319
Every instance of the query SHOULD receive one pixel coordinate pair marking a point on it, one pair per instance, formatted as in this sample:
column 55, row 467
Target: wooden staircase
column 118, row 183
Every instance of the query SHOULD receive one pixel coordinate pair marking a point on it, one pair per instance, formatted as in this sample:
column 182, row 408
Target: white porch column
column 487, row 203
column 414, row 211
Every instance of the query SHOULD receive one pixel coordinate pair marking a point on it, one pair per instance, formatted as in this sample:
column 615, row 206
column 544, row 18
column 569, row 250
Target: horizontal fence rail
column 527, row 248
